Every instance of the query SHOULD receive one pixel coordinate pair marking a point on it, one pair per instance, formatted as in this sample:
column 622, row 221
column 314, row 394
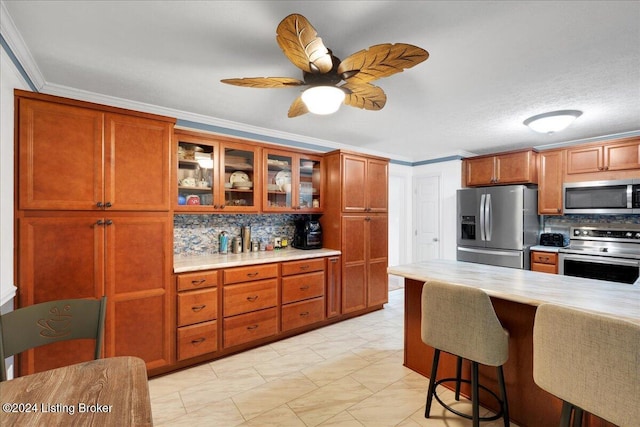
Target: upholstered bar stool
column 460, row 320
column 590, row 361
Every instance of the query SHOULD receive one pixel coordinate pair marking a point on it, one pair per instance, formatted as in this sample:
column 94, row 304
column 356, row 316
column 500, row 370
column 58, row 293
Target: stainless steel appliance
column 497, row 225
column 603, row 252
column 602, row 197
column 308, row 234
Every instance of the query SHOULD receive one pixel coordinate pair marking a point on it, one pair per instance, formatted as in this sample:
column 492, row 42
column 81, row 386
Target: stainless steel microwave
column 602, row 197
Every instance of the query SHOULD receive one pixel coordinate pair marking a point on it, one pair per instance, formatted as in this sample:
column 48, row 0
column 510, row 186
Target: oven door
column 602, row 268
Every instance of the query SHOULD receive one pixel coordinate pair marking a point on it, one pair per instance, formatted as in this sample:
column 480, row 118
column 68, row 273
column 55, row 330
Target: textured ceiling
column 492, row 64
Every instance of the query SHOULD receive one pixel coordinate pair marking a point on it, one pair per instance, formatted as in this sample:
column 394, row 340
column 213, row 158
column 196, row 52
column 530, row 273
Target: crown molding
column 18, row 47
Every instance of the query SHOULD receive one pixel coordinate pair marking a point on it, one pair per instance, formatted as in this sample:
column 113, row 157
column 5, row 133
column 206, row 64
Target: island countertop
column 184, row 264
column 618, row 300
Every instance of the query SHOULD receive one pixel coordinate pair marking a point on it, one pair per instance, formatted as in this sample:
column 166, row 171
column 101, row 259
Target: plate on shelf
column 239, row 176
column 282, row 178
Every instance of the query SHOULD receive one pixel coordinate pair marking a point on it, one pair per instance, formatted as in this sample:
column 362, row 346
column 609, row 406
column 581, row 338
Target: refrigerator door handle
column 482, row 212
column 488, row 217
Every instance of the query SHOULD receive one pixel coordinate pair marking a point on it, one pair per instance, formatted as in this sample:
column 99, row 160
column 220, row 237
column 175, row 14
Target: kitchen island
column 515, row 295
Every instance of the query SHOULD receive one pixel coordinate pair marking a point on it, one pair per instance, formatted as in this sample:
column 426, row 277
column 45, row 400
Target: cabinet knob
column 252, row 298
column 252, row 327
column 197, row 308
column 198, row 341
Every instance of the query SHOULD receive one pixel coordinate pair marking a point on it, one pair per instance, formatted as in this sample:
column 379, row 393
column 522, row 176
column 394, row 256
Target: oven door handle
column 599, row 260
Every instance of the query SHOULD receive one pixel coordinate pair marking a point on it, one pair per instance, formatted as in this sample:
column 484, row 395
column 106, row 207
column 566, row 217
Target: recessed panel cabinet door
column 137, row 163
column 378, row 281
column 377, row 185
column 137, row 276
column 60, row 258
column 354, row 285
column 59, row 156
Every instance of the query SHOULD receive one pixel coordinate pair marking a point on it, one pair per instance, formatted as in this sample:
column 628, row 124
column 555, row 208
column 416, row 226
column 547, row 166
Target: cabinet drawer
column 245, row 274
column 246, row 297
column 302, row 313
column 190, row 281
column 303, row 266
column 249, row 327
column 544, row 268
column 302, row 286
column 197, row 339
column 544, row 257
column 197, row 306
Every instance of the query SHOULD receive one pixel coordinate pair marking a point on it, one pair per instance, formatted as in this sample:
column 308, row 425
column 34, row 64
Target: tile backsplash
column 198, row 234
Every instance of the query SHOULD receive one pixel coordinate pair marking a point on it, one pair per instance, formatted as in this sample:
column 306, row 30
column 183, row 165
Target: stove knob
column 637, row 235
column 629, row 234
column 585, row 233
column 576, row 232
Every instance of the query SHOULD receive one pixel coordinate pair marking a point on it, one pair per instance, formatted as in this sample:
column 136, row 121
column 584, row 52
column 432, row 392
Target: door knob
column 435, row 239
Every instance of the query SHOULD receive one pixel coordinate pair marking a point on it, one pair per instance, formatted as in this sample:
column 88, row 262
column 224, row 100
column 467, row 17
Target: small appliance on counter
column 308, row 234
column 552, row 239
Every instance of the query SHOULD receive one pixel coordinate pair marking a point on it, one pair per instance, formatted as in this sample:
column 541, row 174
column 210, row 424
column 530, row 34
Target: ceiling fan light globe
column 552, row 122
column 323, row 99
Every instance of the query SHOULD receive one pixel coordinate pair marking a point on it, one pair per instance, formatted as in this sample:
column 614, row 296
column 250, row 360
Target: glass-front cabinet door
column 196, row 173
column 216, row 175
column 292, row 182
column 240, row 177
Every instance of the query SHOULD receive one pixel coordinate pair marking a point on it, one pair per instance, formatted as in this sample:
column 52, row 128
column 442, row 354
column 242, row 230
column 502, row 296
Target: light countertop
column 542, row 248
column 618, row 300
column 184, row 264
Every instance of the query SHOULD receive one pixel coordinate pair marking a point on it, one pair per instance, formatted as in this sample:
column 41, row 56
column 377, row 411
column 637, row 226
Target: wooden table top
column 112, row 391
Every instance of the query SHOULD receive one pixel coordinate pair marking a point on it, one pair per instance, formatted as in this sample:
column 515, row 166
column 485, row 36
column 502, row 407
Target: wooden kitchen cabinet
column 83, row 254
column 359, row 189
column 546, row 262
column 292, row 182
column 73, row 157
column 595, row 161
column 303, row 286
column 333, row 293
column 216, row 174
column 551, row 168
column 365, row 182
column 501, row 169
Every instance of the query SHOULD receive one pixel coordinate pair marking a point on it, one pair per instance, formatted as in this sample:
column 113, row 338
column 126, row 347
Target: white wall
column 400, row 208
column 450, row 173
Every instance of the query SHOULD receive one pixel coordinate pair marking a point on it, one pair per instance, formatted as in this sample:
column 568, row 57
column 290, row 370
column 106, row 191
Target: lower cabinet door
column 303, row 313
column 197, row 339
column 249, row 327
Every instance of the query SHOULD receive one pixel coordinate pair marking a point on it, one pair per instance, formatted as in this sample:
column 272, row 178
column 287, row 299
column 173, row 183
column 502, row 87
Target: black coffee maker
column 308, row 234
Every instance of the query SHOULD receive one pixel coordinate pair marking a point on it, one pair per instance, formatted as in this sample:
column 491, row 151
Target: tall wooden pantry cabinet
column 92, row 219
column 355, row 221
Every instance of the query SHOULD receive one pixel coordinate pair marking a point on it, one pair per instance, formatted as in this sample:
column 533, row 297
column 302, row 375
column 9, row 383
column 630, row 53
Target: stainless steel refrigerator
column 497, row 225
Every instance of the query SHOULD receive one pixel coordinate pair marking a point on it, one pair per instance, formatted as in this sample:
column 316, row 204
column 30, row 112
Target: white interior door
column 426, row 234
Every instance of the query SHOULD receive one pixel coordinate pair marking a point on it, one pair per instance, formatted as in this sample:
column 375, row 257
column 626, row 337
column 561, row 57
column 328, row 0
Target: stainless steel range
column 603, row 252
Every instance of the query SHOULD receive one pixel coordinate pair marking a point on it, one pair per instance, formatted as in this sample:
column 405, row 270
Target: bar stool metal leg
column 432, row 382
column 475, row 404
column 503, row 396
column 458, row 376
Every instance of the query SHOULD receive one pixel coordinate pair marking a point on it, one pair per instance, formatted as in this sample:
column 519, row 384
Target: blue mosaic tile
column 198, row 234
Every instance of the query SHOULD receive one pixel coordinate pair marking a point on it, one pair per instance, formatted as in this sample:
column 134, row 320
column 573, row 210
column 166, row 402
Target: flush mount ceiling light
column 323, row 99
column 553, row 121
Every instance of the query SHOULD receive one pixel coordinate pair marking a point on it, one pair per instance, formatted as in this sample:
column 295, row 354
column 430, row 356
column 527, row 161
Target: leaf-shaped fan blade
column 266, row 82
column 298, row 40
column 297, row 108
column 381, row 60
column 364, row 95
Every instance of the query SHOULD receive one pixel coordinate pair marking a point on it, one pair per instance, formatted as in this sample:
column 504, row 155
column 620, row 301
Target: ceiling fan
column 347, row 81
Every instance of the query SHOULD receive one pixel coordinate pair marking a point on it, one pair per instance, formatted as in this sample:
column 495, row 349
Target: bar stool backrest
column 461, row 320
column 589, row 360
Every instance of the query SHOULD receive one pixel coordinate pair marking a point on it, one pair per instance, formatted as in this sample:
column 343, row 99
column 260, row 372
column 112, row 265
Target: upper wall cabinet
column 614, row 156
column 292, row 182
column 214, row 174
column 71, row 157
column 501, row 169
column 551, row 170
column 365, row 181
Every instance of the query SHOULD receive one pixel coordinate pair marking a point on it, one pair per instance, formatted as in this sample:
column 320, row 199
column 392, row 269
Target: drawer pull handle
column 197, row 308
column 253, row 274
column 252, row 298
column 304, row 288
column 252, row 327
column 198, row 341
column 304, row 314
column 198, row 282
column 304, row 267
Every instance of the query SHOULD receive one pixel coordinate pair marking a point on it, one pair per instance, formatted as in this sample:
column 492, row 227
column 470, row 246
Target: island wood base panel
column 529, row 405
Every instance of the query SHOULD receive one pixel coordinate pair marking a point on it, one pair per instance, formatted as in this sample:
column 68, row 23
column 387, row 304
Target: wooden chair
column 461, row 321
column 590, row 361
column 50, row 322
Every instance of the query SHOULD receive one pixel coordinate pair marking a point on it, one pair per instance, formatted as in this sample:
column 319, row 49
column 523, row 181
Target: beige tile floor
column 347, row 374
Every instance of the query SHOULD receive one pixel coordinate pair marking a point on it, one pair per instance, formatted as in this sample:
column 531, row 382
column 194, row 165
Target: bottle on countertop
column 224, row 243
